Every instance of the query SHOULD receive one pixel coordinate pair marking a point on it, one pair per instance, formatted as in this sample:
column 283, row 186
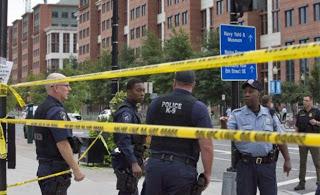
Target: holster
column 274, row 154
column 126, row 182
column 200, row 185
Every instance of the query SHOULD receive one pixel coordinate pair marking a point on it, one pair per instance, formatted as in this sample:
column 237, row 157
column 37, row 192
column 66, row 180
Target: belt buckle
column 258, row 160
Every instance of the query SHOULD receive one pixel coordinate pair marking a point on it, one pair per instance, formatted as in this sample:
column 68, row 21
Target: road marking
column 222, row 151
column 223, row 159
column 283, row 183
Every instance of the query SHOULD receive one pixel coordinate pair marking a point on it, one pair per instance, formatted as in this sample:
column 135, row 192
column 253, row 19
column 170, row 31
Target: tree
column 126, row 57
column 177, row 48
column 151, row 50
column 314, row 83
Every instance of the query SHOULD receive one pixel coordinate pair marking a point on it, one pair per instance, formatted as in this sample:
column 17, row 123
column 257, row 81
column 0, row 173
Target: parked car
column 28, row 113
column 104, row 115
column 74, row 116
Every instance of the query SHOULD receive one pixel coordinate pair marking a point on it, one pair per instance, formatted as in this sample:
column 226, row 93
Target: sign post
column 235, row 39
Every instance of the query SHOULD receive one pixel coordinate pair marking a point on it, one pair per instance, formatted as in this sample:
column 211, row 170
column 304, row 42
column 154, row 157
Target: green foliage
column 293, row 93
column 178, row 47
column 210, row 43
column 126, row 57
column 151, row 50
column 314, row 83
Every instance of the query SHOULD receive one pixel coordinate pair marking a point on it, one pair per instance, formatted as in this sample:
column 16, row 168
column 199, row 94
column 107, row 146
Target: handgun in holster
column 200, row 185
column 126, row 182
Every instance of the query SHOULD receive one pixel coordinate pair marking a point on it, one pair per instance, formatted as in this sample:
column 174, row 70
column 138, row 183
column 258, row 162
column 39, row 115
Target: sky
column 16, row 8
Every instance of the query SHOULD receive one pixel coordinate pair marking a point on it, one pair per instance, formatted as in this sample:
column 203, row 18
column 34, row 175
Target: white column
column 60, row 63
column 163, row 23
column 208, row 18
column 270, row 29
column 60, row 43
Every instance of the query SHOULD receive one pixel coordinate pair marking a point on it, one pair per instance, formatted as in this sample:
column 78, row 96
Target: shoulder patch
column 63, row 115
column 126, row 117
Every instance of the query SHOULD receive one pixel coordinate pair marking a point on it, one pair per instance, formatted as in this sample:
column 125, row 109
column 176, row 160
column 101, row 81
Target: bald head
column 60, row 91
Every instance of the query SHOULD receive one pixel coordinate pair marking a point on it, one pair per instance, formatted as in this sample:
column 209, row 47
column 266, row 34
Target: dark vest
column 137, row 141
column 175, row 110
column 45, row 145
column 304, row 117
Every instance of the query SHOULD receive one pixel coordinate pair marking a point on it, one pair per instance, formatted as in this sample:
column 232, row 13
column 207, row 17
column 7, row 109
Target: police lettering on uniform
column 127, row 158
column 54, row 146
column 171, row 168
column 256, row 166
column 308, row 121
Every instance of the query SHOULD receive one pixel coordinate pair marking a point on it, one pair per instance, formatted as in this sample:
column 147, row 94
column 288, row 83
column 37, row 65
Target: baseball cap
column 254, row 84
column 185, row 76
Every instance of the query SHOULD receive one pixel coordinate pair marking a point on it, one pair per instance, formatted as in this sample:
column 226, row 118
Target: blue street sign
column 275, row 87
column 235, row 39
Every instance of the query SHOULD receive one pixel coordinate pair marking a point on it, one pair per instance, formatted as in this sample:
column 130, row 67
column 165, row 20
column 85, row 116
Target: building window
column 75, row 43
column 275, row 4
column 132, row 12
column 275, row 21
column 103, row 26
column 211, row 16
column 138, row 12
column 108, row 7
column 66, row 43
column 176, row 1
column 54, row 65
column 219, row 7
column 143, row 9
column 131, row 34
column 289, row 17
column 169, row 20
column 138, row 33
column 289, row 66
column 169, row 2
column 55, row 14
column 316, row 11
column 303, row 15
column 264, row 24
column 65, row 15
column 185, row 18
column 144, row 30
column 55, row 42
column 204, row 19
column 108, row 24
column 177, row 20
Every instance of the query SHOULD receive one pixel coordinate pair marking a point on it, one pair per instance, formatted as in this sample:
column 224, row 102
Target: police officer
column 308, row 121
column 53, row 145
column 256, row 166
column 171, row 168
column 127, row 158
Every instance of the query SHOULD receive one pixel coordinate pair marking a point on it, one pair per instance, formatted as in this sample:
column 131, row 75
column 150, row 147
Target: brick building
column 9, row 43
column 16, row 51
column 27, row 31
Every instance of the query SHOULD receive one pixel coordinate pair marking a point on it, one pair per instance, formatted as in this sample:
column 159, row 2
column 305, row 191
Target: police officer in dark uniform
column 256, row 164
column 54, row 146
column 127, row 158
column 172, row 166
column 308, row 121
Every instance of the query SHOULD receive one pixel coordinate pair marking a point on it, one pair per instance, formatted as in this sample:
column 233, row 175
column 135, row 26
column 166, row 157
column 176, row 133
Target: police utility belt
column 172, row 157
column 258, row 160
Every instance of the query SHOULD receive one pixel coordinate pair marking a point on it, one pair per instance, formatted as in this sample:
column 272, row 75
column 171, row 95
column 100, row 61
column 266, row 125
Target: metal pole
column 3, row 100
column 235, row 88
column 114, row 52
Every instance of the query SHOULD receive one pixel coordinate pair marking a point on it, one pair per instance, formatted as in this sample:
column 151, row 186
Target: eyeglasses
column 64, row 85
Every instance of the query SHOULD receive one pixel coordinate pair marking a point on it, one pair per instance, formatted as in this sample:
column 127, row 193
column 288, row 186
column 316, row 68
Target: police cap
column 253, row 84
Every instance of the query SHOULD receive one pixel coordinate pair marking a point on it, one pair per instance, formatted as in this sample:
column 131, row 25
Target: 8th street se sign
column 235, row 39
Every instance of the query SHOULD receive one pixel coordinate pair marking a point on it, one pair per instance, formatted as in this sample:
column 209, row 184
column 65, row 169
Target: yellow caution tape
column 309, row 139
column 3, row 192
column 59, row 173
column 17, row 96
column 292, row 52
column 105, row 144
column 3, row 90
column 38, row 179
column 3, row 144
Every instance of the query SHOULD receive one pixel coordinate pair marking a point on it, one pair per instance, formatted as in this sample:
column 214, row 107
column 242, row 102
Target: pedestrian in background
column 284, row 113
column 172, row 166
column 256, row 166
column 308, row 121
column 127, row 158
column 55, row 146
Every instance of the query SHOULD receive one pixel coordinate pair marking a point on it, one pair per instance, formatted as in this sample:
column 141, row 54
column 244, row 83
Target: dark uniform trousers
column 315, row 153
column 56, row 185
column 164, row 177
column 251, row 175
